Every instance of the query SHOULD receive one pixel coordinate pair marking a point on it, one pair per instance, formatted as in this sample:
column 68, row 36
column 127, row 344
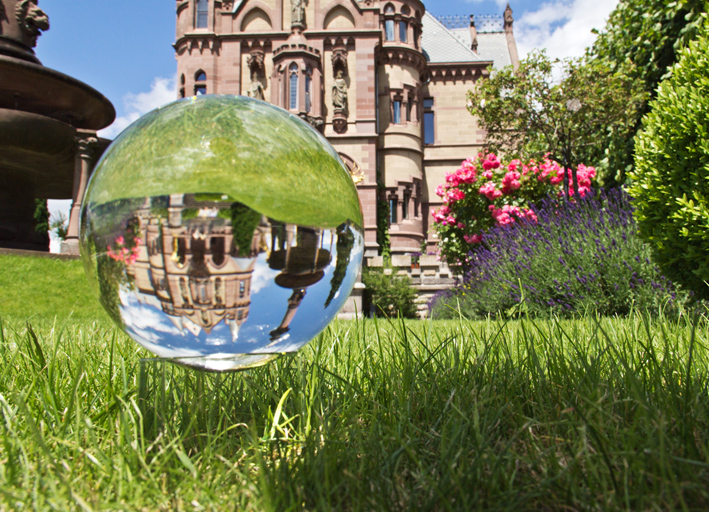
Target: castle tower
column 384, row 81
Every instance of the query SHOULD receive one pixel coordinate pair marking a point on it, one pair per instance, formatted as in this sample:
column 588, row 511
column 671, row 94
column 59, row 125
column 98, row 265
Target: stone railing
column 428, row 277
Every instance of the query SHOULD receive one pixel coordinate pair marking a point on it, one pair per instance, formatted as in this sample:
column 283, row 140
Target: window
column 405, row 206
column 308, row 79
column 200, row 86
column 409, row 107
column 428, row 122
column 202, row 14
column 397, row 111
column 402, row 31
column 293, row 92
column 392, row 211
column 389, row 30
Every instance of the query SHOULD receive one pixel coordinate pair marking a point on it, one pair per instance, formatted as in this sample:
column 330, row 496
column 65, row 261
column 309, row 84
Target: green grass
column 32, row 288
column 590, row 414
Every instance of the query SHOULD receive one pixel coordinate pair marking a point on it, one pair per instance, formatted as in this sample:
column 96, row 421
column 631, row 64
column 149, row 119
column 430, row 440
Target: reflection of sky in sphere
column 146, row 322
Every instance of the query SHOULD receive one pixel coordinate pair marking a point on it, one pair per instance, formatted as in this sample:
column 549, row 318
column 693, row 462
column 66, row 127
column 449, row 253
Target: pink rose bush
column 126, row 253
column 485, row 192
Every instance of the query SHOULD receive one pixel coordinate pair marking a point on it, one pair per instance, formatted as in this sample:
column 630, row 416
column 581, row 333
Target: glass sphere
column 221, row 231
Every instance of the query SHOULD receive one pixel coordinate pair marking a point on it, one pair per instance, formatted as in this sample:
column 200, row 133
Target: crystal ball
column 220, row 232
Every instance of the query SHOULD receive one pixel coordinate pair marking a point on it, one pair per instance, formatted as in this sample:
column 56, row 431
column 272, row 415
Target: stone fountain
column 48, row 125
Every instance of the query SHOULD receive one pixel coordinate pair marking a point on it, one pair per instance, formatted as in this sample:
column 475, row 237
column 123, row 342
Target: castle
column 384, row 81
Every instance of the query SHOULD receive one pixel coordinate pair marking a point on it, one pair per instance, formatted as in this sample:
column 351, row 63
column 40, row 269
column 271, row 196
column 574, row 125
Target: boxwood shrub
column 671, row 178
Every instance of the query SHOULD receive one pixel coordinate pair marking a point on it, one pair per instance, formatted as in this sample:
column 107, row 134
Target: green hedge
column 671, row 180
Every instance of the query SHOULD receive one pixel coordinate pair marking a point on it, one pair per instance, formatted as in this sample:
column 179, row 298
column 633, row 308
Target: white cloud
column 162, row 91
column 562, row 27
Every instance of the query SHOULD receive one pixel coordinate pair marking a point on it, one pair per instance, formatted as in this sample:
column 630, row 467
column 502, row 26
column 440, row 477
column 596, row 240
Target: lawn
column 588, row 414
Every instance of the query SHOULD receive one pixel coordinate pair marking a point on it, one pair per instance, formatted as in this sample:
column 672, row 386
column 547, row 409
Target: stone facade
column 384, row 81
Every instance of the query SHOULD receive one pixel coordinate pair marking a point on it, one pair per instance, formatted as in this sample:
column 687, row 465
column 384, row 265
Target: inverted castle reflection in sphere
column 217, row 285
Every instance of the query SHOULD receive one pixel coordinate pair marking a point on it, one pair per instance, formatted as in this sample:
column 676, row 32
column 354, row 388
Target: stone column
column 87, row 147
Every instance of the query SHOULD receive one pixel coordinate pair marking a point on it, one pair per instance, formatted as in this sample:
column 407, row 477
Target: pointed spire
column 508, row 18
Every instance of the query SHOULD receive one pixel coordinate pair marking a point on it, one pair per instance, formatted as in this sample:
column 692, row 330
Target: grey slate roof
column 441, row 44
column 491, row 45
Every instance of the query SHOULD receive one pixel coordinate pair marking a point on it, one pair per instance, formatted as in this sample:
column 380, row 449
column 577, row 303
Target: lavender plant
column 578, row 257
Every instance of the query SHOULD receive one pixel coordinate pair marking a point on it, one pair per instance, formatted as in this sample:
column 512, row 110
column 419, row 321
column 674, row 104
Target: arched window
column 200, row 83
column 293, row 81
column 202, row 18
column 397, row 111
column 405, row 10
column 308, row 80
column 389, row 24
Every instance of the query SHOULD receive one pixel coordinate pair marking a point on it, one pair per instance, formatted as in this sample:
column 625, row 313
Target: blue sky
column 124, row 49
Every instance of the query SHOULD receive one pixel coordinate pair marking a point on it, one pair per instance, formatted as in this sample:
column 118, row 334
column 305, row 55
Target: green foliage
column 244, row 222
column 383, row 240
column 41, row 216
column 59, row 225
column 390, row 295
column 527, row 115
column 641, row 40
column 345, row 242
column 671, row 178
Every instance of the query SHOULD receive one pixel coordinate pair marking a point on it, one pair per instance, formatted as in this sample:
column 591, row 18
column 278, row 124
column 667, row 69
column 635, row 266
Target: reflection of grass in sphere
column 256, row 153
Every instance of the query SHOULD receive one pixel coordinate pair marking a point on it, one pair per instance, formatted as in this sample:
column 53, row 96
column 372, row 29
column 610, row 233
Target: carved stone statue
column 255, row 89
column 339, row 93
column 22, row 21
column 297, row 10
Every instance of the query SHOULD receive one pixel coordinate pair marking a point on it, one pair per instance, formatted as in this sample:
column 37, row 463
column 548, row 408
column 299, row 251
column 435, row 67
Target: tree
column 670, row 182
column 528, row 114
column 642, row 39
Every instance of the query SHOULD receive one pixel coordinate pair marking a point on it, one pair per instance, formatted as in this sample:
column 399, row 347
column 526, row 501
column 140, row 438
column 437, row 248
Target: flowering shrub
column 579, row 257
column 484, row 193
column 125, row 252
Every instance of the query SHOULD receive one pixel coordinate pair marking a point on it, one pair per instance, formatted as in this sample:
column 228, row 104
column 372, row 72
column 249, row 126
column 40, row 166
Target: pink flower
column 489, row 191
column 450, row 220
column 511, row 182
column 440, row 191
column 473, row 239
column 120, row 240
column 461, row 225
column 455, row 194
column 487, row 174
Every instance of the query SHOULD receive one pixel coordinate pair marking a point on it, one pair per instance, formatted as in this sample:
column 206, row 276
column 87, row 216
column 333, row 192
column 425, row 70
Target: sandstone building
column 384, row 81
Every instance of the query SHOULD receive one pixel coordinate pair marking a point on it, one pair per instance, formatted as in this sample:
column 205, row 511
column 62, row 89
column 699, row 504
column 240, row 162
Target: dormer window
column 202, row 14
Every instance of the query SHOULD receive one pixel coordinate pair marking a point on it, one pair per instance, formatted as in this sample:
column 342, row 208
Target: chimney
column 473, row 34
